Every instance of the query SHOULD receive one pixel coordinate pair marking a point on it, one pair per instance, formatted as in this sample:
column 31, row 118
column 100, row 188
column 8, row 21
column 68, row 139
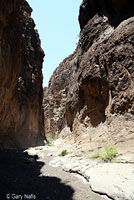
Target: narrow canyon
column 73, row 139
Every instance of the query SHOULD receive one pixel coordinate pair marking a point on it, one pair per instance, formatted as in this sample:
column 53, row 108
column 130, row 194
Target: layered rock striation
column 21, row 93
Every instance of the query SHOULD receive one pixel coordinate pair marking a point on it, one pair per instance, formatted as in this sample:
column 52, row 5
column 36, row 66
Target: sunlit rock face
column 104, row 76
column 98, row 78
column 55, row 98
column 21, row 57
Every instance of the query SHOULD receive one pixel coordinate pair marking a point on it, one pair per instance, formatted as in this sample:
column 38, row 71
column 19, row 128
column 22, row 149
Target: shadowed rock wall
column 116, row 11
column 21, row 57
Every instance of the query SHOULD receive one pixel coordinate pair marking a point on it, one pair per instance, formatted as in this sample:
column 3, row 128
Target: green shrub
column 20, row 82
column 58, row 113
column 63, row 153
column 108, row 155
column 21, row 86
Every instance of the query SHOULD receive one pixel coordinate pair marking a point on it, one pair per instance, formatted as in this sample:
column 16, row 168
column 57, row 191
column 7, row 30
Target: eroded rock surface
column 55, row 96
column 116, row 11
column 108, row 180
column 100, row 78
column 115, row 180
column 21, row 57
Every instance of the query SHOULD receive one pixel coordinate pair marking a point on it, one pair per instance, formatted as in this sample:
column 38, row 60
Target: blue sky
column 58, row 27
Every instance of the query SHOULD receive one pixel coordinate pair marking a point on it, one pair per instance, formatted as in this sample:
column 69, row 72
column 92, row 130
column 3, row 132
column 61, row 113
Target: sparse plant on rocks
column 20, row 82
column 96, row 154
column 58, row 113
column 64, row 99
column 50, row 141
column 63, row 153
column 107, row 155
column 21, row 86
column 51, row 102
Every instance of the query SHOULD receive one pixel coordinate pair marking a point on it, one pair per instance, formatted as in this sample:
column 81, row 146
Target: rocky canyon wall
column 21, row 93
column 99, row 76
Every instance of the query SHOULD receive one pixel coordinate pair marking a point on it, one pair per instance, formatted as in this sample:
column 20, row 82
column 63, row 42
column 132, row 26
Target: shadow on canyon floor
column 20, row 177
